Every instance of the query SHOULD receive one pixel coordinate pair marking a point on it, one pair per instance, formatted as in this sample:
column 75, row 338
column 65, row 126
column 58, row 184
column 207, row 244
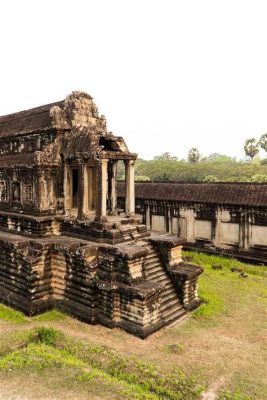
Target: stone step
column 154, row 272
column 157, row 274
column 169, row 291
column 171, row 312
column 158, row 278
column 152, row 253
column 169, row 304
column 169, row 294
column 162, row 279
column 174, row 315
column 150, row 257
column 135, row 235
column 171, row 308
column 152, row 263
column 166, row 311
column 150, row 248
column 168, row 298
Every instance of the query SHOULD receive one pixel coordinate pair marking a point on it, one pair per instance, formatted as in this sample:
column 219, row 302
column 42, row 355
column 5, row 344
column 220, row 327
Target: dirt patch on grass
column 57, row 384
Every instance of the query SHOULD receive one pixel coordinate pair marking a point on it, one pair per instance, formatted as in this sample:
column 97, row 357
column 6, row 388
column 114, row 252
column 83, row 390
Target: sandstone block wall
column 96, row 283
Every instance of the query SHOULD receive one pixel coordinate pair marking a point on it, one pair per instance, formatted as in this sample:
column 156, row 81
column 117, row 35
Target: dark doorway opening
column 16, row 191
column 75, row 178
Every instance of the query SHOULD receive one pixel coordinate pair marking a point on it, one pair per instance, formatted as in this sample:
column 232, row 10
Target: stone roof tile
column 35, row 119
column 247, row 194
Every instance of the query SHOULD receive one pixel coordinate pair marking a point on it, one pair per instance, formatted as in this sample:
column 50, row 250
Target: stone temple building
column 63, row 241
column 228, row 218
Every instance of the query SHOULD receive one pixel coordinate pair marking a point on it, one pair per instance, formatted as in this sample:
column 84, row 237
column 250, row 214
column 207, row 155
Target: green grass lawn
column 221, row 288
column 7, row 314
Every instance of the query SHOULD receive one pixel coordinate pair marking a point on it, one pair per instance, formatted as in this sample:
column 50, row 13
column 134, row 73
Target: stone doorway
column 74, row 187
column 90, row 190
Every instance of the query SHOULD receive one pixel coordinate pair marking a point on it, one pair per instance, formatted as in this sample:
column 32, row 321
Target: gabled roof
column 234, row 193
column 35, row 119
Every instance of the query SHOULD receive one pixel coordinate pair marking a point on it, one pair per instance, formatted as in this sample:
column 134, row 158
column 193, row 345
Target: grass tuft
column 47, row 336
column 225, row 263
column 232, row 396
column 8, row 314
column 212, row 304
column 175, row 348
column 52, row 315
column 38, row 356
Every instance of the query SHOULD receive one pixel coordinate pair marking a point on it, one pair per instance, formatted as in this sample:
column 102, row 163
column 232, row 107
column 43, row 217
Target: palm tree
column 263, row 142
column 251, row 147
column 193, row 155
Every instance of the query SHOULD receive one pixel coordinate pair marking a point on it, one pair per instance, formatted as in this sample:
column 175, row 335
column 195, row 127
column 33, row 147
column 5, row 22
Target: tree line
column 251, row 148
column 213, row 168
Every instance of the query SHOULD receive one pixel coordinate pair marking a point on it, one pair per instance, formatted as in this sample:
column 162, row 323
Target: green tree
column 193, row 155
column 142, row 178
column 166, row 156
column 217, row 157
column 178, row 171
column 263, row 142
column 251, row 147
column 258, row 178
column 210, row 178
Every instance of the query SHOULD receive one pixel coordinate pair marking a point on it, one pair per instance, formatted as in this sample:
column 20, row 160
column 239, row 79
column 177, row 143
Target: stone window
column 15, row 191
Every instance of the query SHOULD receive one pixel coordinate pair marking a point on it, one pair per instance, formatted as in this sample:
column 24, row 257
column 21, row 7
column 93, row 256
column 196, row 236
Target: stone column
column 101, row 191
column 217, row 239
column 91, row 188
column 113, row 193
column 81, row 191
column 244, row 231
column 147, row 215
column 85, row 189
column 129, row 188
column 67, row 180
column 40, row 189
column 189, row 217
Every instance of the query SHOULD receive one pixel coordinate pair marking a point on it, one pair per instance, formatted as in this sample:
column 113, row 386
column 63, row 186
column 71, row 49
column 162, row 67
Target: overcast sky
column 169, row 75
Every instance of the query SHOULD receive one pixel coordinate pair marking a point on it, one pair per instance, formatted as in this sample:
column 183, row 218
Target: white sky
column 168, row 75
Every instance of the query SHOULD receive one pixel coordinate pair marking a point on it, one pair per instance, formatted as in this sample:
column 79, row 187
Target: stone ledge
column 126, row 252
column 28, row 217
column 167, row 240
column 142, row 291
column 187, row 271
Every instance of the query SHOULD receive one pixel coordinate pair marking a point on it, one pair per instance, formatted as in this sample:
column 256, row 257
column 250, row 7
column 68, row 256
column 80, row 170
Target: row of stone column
column 93, row 191
column 106, row 185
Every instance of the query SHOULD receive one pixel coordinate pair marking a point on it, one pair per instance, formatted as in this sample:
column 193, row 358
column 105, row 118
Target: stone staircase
column 171, row 308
